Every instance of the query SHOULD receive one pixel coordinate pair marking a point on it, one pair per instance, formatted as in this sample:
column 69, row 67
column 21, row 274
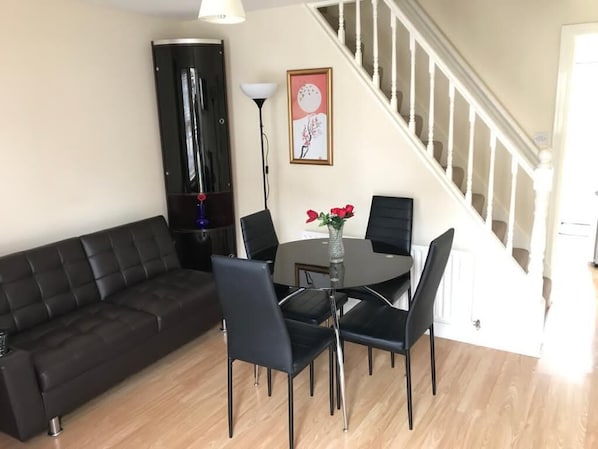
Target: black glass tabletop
column 306, row 263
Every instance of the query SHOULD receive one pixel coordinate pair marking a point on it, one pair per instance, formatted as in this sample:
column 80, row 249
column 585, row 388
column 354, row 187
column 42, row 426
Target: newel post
column 542, row 187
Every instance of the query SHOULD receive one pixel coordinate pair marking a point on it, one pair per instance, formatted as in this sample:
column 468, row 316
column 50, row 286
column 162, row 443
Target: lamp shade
column 222, row 11
column 258, row 90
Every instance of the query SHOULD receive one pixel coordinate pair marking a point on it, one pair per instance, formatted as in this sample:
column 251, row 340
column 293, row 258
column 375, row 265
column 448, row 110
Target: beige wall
column 514, row 46
column 79, row 142
column 371, row 155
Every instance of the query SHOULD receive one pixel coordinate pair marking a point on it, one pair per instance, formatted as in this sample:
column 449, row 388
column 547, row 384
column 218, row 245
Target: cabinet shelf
column 206, row 230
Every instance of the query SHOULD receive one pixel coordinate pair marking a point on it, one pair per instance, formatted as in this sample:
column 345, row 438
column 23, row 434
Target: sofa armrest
column 22, row 413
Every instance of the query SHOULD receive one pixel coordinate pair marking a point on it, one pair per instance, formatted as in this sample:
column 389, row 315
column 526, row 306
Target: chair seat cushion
column 311, row 306
column 307, row 342
column 170, row 297
column 392, row 289
column 375, row 324
column 72, row 344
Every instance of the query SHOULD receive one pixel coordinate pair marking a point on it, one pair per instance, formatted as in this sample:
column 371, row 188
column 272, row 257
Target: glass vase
column 336, row 250
column 201, row 222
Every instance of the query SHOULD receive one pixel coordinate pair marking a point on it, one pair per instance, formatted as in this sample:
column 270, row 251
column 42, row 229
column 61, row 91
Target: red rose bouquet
column 335, row 218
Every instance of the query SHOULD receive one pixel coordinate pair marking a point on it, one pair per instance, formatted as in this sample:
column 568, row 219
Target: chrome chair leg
column 290, row 382
column 409, row 399
column 311, row 378
column 54, row 427
column 230, row 397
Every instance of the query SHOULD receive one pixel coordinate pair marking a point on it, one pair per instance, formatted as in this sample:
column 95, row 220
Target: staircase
column 451, row 116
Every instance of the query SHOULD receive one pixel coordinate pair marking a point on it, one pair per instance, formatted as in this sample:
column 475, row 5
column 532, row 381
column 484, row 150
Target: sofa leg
column 54, row 427
column 223, row 325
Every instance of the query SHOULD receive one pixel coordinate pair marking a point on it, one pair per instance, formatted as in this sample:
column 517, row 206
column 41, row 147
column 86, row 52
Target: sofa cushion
column 170, row 297
column 44, row 283
column 127, row 255
column 66, row 347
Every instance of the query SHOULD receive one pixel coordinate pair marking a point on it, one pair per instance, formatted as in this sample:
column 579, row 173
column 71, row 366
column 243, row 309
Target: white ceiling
column 183, row 9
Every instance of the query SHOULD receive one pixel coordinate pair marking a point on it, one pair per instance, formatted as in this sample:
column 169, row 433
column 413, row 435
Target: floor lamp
column 259, row 92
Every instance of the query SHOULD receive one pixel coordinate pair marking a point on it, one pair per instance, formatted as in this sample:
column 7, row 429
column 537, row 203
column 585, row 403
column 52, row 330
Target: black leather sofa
column 84, row 313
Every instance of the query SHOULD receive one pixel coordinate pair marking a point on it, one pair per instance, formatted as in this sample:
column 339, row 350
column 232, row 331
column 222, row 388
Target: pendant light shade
column 222, row 11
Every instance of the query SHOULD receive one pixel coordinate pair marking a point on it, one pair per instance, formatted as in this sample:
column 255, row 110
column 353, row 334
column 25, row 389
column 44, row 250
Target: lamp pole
column 259, row 92
column 260, row 103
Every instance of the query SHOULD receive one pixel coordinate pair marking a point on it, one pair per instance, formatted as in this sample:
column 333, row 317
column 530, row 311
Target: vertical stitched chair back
column 421, row 311
column 256, row 329
column 391, row 221
column 259, row 235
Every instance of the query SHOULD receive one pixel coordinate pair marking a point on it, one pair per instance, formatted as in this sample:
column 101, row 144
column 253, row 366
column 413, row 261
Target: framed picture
column 310, row 115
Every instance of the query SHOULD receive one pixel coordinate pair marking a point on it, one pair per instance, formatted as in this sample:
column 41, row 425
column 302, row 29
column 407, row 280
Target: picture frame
column 309, row 94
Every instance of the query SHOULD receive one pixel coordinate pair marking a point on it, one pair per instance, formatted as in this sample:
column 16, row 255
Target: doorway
column 576, row 145
column 573, row 309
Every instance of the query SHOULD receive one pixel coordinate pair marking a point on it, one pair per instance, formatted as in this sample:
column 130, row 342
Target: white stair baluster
column 341, row 22
column 358, row 53
column 468, row 191
column 376, row 74
column 490, row 195
column 432, row 69
column 393, row 83
column 511, row 224
column 451, row 130
column 542, row 188
column 412, row 85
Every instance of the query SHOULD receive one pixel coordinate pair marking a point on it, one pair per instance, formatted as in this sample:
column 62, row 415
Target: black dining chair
column 258, row 333
column 310, row 306
column 390, row 227
column 379, row 325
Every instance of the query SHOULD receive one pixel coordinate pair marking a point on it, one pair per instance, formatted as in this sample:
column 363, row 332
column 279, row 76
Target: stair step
column 351, row 44
column 546, row 291
column 477, row 201
column 521, row 255
column 438, row 148
column 419, row 123
column 458, row 175
column 437, row 151
column 500, row 229
column 387, row 94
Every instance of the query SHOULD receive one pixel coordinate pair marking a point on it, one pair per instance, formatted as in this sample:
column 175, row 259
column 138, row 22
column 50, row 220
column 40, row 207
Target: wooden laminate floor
column 486, row 398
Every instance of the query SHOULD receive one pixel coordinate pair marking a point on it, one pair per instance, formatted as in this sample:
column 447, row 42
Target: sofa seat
column 85, row 313
column 171, row 297
column 67, row 346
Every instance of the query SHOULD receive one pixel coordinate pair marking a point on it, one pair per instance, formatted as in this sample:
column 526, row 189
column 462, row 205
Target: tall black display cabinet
column 192, row 109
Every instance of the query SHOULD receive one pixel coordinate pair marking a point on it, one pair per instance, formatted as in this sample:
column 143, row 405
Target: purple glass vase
column 201, row 222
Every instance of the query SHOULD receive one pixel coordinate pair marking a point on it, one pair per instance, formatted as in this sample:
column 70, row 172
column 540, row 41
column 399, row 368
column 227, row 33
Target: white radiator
column 455, row 293
column 454, row 300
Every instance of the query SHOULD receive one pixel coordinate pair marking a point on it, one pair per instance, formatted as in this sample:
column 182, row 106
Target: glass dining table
column 305, row 264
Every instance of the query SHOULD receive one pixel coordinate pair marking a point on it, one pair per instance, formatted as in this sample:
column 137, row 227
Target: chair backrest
column 259, row 235
column 421, row 310
column 256, row 329
column 391, row 222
